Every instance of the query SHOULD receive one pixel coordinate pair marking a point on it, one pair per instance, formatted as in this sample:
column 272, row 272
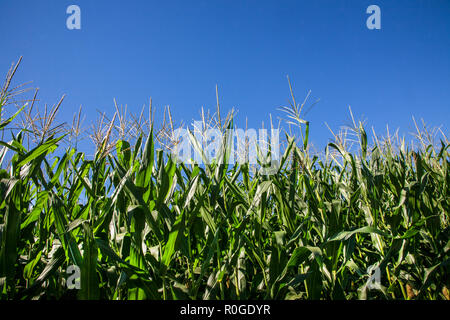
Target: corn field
column 140, row 225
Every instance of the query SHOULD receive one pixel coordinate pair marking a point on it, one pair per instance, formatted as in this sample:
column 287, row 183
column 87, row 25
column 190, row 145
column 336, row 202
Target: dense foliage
column 142, row 226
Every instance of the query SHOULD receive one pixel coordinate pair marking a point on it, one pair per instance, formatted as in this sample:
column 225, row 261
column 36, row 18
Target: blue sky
column 177, row 51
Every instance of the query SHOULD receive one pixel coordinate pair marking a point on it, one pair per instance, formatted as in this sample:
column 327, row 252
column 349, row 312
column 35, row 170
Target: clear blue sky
column 177, row 51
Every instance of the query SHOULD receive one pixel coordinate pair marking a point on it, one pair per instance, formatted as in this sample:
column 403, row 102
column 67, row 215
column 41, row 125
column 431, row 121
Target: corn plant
column 140, row 225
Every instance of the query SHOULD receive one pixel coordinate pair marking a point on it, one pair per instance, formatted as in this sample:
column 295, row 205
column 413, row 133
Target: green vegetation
column 141, row 226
